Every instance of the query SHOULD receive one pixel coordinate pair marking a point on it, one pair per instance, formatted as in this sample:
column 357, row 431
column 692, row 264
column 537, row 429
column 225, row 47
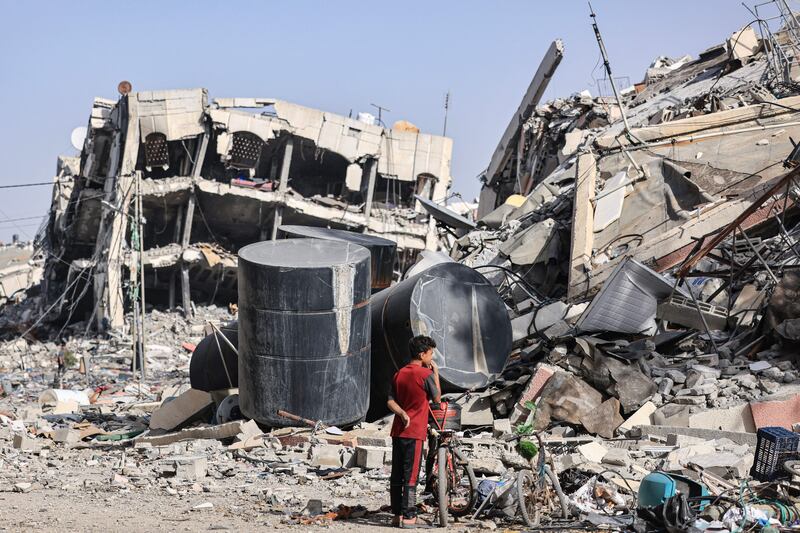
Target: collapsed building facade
column 701, row 140
column 210, row 178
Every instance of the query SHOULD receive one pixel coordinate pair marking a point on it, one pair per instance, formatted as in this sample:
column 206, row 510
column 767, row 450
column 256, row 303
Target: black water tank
column 209, row 370
column 304, row 331
column 459, row 309
column 383, row 251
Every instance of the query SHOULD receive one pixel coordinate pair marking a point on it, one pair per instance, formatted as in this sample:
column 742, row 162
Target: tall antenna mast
column 381, row 109
column 446, row 107
column 608, row 71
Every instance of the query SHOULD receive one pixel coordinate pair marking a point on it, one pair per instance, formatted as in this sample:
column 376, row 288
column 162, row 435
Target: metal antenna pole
column 446, row 108
column 608, row 71
column 381, row 109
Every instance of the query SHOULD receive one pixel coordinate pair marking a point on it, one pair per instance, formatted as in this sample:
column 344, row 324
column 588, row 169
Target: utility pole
column 446, row 108
column 381, row 109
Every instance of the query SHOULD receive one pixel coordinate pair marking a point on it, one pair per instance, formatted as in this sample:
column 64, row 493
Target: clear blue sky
column 333, row 55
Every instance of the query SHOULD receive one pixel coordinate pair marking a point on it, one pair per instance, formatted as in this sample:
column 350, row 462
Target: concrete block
column 502, row 426
column 681, row 310
column 67, row 436
column 23, row 442
column 329, row 455
column 372, row 456
column 374, row 440
column 190, row 468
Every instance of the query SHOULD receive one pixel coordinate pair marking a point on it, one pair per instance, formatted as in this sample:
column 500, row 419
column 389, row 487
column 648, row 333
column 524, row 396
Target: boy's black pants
column 406, row 460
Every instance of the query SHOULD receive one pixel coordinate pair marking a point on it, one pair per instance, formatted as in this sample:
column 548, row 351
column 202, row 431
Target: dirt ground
column 55, row 510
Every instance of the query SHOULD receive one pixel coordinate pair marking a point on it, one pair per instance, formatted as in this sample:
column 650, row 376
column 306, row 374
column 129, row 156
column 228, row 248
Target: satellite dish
column 124, row 87
column 77, row 137
column 444, row 215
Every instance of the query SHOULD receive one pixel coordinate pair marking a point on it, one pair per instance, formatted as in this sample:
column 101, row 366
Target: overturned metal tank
column 459, row 309
column 304, row 330
column 214, row 363
column 382, row 251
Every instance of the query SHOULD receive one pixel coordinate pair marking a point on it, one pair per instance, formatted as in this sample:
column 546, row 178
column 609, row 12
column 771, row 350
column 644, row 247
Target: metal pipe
column 755, row 251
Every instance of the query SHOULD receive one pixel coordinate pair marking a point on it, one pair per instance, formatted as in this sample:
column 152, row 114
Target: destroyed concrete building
column 703, row 140
column 20, row 270
column 646, row 252
column 213, row 177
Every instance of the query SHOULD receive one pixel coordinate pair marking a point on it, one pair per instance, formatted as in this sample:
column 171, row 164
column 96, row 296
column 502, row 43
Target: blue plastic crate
column 774, row 445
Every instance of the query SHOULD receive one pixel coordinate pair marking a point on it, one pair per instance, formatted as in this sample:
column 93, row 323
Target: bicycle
column 453, row 481
column 539, row 492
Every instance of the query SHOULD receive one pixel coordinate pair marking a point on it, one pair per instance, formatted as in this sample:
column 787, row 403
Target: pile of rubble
column 647, row 254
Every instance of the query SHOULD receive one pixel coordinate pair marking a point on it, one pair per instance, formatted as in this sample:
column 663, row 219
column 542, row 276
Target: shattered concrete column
column 188, row 219
column 580, row 256
column 175, row 238
column 510, row 139
column 110, row 240
column 283, row 184
column 371, row 173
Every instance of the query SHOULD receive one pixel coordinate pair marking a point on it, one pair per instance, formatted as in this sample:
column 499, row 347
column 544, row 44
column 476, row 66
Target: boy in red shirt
column 412, row 387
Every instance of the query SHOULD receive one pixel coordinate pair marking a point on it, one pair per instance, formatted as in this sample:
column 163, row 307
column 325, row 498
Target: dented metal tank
column 382, row 251
column 304, row 331
column 459, row 309
column 214, row 363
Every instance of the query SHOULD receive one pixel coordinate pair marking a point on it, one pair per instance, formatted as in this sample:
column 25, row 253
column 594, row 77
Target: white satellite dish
column 77, row 137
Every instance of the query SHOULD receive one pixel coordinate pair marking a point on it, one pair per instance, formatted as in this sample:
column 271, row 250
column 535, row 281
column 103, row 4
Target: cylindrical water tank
column 304, row 331
column 214, row 364
column 382, row 250
column 459, row 309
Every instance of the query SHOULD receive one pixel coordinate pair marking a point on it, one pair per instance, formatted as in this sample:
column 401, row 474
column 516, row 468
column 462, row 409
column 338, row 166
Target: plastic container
column 304, row 331
column 53, row 396
column 445, row 416
column 456, row 306
column 382, row 251
column 774, row 445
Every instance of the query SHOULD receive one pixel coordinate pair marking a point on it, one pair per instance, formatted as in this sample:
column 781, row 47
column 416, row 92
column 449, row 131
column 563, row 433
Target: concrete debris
column 645, row 253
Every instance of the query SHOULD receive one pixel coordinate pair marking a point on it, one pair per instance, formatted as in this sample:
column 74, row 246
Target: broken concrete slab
column 643, row 416
column 181, row 410
column 221, row 431
column 617, row 457
column 706, row 434
column 738, row 418
column 568, row 399
column 593, row 451
column 603, row 420
column 66, row 436
column 476, row 412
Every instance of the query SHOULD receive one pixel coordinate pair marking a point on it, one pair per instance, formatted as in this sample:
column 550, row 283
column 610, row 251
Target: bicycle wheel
column 540, row 497
column 441, row 485
column 463, row 485
column 455, row 484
